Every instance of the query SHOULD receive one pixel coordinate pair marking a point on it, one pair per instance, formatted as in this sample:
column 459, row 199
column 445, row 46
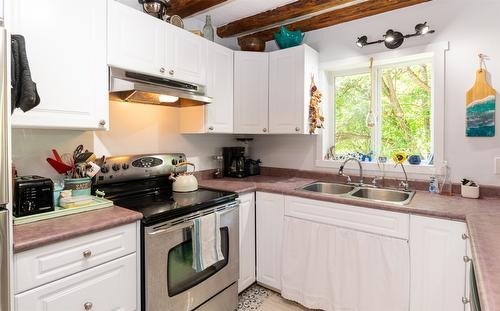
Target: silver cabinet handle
column 297, row 129
column 102, row 122
column 465, row 236
column 466, row 259
column 465, row 300
column 171, row 72
column 264, row 130
column 162, row 70
column 210, row 128
column 87, row 253
column 88, row 305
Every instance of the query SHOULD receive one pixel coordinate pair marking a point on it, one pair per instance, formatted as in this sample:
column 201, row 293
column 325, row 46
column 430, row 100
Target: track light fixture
column 394, row 39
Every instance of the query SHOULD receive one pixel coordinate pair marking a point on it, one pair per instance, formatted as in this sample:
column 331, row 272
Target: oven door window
column 181, row 275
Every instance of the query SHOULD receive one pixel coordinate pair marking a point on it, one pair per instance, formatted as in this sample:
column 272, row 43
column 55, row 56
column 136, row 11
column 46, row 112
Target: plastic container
column 79, row 186
column 57, row 194
column 75, row 202
column 470, row 192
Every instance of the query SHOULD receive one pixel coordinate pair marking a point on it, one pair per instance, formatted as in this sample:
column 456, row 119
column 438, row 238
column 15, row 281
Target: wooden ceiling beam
column 185, row 8
column 279, row 14
column 347, row 14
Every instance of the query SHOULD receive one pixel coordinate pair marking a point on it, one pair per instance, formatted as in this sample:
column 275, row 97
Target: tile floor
column 258, row 298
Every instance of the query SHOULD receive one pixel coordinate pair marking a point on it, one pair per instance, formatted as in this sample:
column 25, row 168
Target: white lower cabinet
column 270, row 209
column 98, row 271
column 111, row 286
column 247, row 241
column 437, row 252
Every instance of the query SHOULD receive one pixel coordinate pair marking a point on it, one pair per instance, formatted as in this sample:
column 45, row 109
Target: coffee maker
column 234, row 161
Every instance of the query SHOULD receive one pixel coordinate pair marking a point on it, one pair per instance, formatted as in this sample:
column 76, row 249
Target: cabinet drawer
column 111, row 286
column 45, row 264
column 348, row 216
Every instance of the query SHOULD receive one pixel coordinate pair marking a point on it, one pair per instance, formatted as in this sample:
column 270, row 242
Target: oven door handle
column 188, row 223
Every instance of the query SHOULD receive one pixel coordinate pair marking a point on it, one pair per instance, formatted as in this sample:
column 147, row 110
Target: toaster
column 32, row 195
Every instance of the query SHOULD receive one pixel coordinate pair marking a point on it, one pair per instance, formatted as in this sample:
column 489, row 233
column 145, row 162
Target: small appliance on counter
column 237, row 165
column 183, row 180
column 32, row 195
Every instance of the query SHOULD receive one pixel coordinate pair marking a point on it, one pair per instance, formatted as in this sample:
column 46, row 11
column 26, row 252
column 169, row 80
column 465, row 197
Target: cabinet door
column 111, row 286
column 437, row 266
column 286, row 74
column 247, row 241
column 67, row 58
column 186, row 55
column 251, row 92
column 219, row 118
column 269, row 209
column 136, row 41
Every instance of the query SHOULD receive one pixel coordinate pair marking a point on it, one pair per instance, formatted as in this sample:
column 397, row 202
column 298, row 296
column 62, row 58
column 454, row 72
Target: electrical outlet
column 497, row 165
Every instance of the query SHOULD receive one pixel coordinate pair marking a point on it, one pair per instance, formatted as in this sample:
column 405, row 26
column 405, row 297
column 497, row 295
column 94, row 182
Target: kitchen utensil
column 184, row 181
column 85, row 157
column 56, row 155
column 176, row 20
column 60, row 167
column 252, row 44
column 77, row 152
column 480, row 106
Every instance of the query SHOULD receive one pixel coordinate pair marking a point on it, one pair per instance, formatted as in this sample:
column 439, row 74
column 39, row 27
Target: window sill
column 389, row 167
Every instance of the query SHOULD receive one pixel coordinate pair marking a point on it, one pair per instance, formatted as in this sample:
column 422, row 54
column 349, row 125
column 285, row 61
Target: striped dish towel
column 206, row 242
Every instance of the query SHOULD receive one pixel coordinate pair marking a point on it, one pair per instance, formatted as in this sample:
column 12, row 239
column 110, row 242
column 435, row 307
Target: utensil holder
column 470, row 192
column 78, row 186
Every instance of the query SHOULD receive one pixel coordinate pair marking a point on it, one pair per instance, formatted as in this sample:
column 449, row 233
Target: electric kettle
column 184, row 181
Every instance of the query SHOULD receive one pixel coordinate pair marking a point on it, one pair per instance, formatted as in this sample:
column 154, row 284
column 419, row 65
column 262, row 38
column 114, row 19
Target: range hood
column 135, row 87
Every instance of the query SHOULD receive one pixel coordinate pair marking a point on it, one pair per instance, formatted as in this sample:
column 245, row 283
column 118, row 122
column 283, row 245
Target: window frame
column 434, row 53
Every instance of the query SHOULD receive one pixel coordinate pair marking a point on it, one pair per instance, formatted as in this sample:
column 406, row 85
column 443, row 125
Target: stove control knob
column 125, row 166
column 116, row 167
column 174, row 162
column 104, row 169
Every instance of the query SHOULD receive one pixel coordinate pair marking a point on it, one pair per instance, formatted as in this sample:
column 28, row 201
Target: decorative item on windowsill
column 370, row 118
column 394, row 39
column 480, row 105
column 415, row 159
column 286, row 38
column 316, row 119
column 469, row 189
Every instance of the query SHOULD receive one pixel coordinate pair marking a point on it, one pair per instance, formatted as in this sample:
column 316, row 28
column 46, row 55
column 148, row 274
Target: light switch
column 497, row 165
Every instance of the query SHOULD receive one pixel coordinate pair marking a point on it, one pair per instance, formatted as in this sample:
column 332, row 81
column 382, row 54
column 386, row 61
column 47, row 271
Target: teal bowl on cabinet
column 286, row 38
column 78, row 186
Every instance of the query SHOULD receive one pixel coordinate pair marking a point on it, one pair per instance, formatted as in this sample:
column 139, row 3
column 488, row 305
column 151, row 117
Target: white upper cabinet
column 437, row 253
column 136, row 41
column 141, row 43
column 251, row 86
column 67, row 57
column 216, row 117
column 290, row 72
column 186, row 55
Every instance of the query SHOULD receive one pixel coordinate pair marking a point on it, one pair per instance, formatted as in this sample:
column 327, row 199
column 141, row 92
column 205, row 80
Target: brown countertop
column 40, row 233
column 482, row 217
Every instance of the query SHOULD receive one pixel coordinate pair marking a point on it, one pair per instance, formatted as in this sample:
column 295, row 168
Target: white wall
column 471, row 27
column 135, row 129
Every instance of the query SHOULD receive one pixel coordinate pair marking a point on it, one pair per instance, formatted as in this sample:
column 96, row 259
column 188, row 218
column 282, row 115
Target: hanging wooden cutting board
column 480, row 108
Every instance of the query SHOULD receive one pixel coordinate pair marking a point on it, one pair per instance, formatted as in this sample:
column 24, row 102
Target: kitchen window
column 397, row 106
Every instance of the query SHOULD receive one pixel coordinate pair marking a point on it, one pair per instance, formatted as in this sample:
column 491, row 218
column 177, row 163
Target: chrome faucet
column 404, row 183
column 341, row 170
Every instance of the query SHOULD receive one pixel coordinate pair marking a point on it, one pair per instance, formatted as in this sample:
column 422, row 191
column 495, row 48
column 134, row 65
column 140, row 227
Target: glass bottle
column 208, row 30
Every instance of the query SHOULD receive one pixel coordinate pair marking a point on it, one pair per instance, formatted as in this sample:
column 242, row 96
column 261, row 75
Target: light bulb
column 167, row 98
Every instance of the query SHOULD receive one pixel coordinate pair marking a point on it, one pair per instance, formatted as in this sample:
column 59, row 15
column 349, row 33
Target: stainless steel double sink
column 361, row 192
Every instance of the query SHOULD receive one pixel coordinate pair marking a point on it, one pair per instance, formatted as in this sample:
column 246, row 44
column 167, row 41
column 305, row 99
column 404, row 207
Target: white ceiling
column 235, row 9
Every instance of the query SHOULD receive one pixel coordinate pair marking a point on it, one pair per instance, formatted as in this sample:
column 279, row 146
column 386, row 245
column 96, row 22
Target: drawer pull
column 466, row 258
column 465, row 236
column 88, row 305
column 87, row 253
column 465, row 300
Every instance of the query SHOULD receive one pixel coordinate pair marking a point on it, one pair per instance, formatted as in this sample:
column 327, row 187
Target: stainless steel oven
column 170, row 282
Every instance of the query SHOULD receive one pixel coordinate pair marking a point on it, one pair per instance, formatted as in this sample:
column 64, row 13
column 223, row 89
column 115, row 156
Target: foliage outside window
column 402, row 105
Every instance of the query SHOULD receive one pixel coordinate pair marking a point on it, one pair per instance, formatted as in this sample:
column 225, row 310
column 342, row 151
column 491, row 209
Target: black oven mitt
column 24, row 94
